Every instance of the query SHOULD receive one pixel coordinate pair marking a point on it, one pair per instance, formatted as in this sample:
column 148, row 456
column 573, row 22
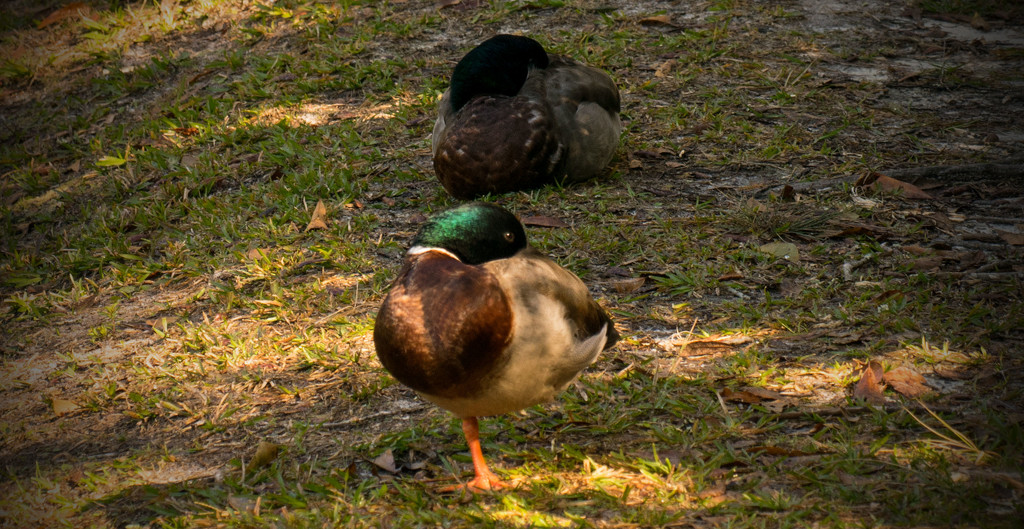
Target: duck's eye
column 509, row 236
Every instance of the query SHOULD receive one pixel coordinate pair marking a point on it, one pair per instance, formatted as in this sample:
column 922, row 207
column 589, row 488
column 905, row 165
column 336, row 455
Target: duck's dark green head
column 476, row 232
column 499, row 66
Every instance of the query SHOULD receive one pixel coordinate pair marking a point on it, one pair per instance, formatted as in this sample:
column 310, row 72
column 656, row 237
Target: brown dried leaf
column 887, row 183
column 845, row 337
column 63, row 406
column 1015, row 239
column 664, row 68
column 386, row 461
column 916, row 249
column 906, row 381
column 657, row 20
column 543, row 221
column 926, row 263
column 978, row 22
column 741, row 396
column 788, row 193
column 626, row 286
column 785, row 250
column 654, row 154
column 763, row 393
column 713, row 495
column 952, row 373
column 73, row 9
column 265, row 454
column 243, row 504
column 869, row 387
column 318, row 221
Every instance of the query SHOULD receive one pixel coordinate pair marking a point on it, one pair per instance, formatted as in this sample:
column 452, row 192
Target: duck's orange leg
column 484, row 479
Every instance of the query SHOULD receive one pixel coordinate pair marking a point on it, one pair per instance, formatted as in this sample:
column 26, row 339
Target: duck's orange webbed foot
column 484, row 480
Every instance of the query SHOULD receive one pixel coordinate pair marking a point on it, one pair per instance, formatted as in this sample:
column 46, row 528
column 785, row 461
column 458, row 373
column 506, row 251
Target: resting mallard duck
column 516, row 118
column 481, row 323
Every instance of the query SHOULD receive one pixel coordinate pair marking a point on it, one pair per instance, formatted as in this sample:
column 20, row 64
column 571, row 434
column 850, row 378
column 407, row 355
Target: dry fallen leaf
column 73, row 9
column 713, row 495
column 744, row 395
column 63, row 406
column 318, row 221
column 386, row 461
column 887, row 183
column 869, row 387
column 765, row 394
column 916, row 249
column 978, row 22
column 265, row 454
column 545, row 222
column 1015, row 239
column 926, row 263
column 657, row 20
column 664, row 68
column 906, row 381
column 626, row 286
column 785, row 250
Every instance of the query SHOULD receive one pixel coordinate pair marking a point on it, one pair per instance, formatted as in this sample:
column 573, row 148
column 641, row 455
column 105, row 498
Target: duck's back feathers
column 481, row 157
column 444, row 326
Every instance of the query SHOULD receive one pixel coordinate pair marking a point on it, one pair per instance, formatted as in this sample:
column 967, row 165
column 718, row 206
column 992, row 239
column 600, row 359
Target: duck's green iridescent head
column 476, row 232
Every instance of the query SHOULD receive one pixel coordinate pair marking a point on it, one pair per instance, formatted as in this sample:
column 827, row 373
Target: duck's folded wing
column 568, row 80
column 585, row 104
column 556, row 318
column 445, row 114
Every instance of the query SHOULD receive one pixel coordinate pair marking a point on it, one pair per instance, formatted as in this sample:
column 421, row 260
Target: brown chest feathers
column 443, row 326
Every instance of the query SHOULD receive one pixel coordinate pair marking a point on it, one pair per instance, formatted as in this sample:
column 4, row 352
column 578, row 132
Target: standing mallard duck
column 481, row 323
column 517, row 118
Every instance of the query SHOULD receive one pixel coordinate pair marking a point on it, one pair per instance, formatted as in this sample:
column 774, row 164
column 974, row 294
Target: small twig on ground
column 736, row 293
column 816, row 185
column 849, row 266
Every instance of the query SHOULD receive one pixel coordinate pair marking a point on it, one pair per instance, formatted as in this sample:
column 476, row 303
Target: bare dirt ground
column 936, row 102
